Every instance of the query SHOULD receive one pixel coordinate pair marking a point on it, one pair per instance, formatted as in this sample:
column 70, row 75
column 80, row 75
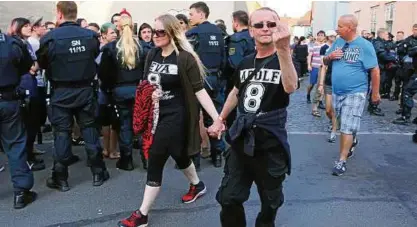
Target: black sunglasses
column 260, row 25
column 159, row 33
column 345, row 47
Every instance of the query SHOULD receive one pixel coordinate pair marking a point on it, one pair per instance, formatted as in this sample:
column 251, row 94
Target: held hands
column 216, row 129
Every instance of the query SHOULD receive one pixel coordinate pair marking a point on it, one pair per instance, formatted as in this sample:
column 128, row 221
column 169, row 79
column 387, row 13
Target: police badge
column 232, row 51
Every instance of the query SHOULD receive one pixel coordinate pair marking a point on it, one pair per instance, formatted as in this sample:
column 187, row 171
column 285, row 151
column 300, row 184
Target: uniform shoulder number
column 76, row 47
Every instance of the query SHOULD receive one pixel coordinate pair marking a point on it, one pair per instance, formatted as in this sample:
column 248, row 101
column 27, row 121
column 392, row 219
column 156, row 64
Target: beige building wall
column 13, row 9
column 405, row 15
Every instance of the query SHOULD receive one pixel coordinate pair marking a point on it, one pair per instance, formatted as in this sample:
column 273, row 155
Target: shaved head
column 350, row 21
column 347, row 26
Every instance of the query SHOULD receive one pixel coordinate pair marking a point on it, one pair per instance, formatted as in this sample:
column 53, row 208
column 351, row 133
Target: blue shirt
column 350, row 73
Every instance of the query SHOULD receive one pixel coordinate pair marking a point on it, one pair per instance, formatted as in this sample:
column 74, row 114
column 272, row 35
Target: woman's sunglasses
column 159, row 33
column 260, row 25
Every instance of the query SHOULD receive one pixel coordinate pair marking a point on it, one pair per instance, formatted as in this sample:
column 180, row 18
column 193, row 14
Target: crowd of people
column 184, row 88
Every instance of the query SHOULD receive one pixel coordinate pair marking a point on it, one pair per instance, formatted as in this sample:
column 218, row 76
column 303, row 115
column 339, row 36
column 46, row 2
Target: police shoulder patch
column 232, row 51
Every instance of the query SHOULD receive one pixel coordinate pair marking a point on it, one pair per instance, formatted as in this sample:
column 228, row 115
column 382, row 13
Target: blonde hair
column 127, row 46
column 174, row 31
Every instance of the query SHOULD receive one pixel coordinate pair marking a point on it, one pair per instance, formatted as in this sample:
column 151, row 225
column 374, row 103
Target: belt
column 72, row 84
column 8, row 95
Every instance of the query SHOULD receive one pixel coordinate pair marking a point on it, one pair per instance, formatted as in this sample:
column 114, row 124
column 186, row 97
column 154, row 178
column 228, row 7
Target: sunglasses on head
column 159, row 33
column 345, row 47
column 269, row 24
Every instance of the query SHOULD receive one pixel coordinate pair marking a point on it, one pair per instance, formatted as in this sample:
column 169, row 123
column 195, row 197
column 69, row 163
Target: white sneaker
column 332, row 137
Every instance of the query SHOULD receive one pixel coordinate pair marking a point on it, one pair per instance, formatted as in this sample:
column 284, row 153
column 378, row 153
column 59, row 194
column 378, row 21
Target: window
column 389, row 11
column 388, row 26
column 358, row 14
column 373, row 18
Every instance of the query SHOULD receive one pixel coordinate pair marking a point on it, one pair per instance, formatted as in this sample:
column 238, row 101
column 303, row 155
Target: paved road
column 377, row 190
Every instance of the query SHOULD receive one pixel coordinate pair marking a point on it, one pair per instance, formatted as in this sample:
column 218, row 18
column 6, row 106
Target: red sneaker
column 136, row 219
column 194, row 192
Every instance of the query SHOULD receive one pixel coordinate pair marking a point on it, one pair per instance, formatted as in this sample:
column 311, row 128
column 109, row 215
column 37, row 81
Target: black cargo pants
column 267, row 169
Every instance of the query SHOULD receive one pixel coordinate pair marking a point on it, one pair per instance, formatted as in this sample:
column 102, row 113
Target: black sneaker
column 78, row 142
column 353, row 147
column 136, row 219
column 22, row 199
column 339, row 168
column 402, row 121
column 36, row 164
column 321, row 106
column 415, row 137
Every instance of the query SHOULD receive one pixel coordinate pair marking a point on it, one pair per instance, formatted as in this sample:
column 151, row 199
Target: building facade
column 141, row 11
column 325, row 14
column 13, row 9
column 393, row 15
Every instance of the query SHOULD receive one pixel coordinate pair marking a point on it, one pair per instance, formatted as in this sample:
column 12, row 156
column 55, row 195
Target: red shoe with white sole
column 194, row 193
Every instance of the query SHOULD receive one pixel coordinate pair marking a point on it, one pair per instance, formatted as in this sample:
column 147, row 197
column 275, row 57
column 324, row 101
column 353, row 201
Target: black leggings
column 156, row 163
column 169, row 140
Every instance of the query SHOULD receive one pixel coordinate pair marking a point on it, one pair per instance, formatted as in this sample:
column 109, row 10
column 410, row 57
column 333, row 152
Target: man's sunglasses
column 269, row 24
column 159, row 33
column 345, row 47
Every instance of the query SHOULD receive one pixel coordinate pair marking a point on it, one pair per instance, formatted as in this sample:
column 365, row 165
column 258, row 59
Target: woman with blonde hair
column 120, row 71
column 177, row 72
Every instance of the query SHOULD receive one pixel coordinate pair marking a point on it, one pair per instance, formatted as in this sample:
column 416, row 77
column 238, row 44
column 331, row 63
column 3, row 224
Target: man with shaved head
column 352, row 58
column 259, row 151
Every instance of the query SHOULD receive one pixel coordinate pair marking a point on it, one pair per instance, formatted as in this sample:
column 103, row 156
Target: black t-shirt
column 328, row 78
column 164, row 72
column 265, row 90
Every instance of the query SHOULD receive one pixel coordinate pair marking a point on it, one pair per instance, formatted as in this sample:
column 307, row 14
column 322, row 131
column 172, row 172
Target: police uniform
column 15, row 60
column 68, row 55
column 410, row 88
column 122, row 83
column 239, row 45
column 208, row 42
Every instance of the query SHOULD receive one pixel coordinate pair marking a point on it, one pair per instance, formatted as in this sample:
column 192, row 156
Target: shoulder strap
column 254, row 72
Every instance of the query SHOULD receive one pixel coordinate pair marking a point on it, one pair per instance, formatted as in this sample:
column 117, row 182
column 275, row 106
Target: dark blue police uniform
column 146, row 46
column 121, row 82
column 68, row 55
column 15, row 60
column 208, row 42
column 240, row 45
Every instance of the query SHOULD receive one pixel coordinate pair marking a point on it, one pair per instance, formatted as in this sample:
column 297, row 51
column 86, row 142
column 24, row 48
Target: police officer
column 68, row 55
column 15, row 61
column 410, row 89
column 208, row 42
column 384, row 58
column 239, row 45
column 401, row 53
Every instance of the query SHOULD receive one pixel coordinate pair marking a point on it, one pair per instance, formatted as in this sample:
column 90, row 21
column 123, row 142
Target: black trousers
column 31, row 117
column 267, row 169
column 389, row 75
column 409, row 91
